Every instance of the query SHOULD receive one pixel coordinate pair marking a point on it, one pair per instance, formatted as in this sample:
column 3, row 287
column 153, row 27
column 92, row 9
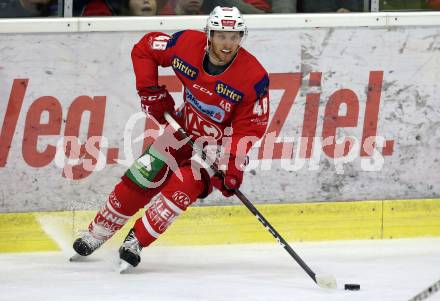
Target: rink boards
column 368, row 80
column 212, row 225
column 372, row 87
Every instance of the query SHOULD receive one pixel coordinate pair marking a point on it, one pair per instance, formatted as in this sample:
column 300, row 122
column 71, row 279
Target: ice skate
column 129, row 252
column 85, row 245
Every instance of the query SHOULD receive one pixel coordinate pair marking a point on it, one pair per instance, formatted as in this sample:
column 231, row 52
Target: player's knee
column 178, row 194
column 184, row 188
column 128, row 200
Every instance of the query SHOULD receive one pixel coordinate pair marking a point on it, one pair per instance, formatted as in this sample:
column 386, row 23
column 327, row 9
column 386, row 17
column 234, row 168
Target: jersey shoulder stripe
column 173, row 40
column 192, row 35
column 262, row 87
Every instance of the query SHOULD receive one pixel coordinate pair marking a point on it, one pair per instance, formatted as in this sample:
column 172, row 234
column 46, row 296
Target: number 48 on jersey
column 260, row 106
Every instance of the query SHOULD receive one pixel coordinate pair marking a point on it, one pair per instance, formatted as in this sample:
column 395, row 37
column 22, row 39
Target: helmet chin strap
column 214, row 60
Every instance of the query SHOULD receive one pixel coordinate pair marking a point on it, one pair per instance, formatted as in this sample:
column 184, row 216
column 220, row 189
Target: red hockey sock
column 174, row 198
column 108, row 220
column 123, row 202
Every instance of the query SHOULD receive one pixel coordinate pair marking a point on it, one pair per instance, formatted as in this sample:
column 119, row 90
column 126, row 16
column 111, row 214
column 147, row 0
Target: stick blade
column 326, row 281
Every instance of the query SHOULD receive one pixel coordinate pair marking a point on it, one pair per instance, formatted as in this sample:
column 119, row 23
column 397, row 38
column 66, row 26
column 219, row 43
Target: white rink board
column 68, row 65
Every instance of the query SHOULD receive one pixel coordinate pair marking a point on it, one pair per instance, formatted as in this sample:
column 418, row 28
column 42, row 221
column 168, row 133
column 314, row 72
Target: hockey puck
column 352, row 287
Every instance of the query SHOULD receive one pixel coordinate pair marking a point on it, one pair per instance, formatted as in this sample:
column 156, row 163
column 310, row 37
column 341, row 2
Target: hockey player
column 225, row 94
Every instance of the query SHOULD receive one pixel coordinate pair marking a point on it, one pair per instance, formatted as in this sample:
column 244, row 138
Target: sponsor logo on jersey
column 203, row 89
column 109, row 219
column 184, row 68
column 215, row 113
column 160, row 215
column 199, row 126
column 107, row 216
column 228, row 92
column 181, row 198
column 114, row 201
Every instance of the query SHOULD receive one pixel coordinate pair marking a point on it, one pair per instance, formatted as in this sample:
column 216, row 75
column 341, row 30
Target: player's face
column 224, row 46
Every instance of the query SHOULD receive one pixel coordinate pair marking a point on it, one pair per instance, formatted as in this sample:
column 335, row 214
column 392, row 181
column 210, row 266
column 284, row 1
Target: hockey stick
column 426, row 293
column 325, row 281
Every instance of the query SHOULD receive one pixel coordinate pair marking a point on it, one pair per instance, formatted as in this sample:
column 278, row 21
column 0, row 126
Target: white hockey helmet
column 225, row 19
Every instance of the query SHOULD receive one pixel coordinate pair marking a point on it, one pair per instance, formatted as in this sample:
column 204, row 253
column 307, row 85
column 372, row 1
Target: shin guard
column 174, row 198
column 108, row 220
column 123, row 202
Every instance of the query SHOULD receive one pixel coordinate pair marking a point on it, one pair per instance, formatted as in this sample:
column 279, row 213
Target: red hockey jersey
column 237, row 99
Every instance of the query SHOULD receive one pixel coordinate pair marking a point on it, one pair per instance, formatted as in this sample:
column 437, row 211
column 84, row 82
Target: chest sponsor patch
column 215, row 113
column 196, row 124
column 184, row 68
column 227, row 92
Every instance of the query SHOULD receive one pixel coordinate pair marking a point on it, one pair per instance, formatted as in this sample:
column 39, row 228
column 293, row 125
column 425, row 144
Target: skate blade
column 76, row 257
column 124, row 267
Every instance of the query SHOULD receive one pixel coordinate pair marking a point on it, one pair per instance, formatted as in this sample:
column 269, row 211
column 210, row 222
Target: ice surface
column 386, row 270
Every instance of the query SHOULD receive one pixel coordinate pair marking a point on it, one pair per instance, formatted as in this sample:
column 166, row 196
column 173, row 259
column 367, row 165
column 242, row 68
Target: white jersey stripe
column 149, row 228
column 173, row 207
